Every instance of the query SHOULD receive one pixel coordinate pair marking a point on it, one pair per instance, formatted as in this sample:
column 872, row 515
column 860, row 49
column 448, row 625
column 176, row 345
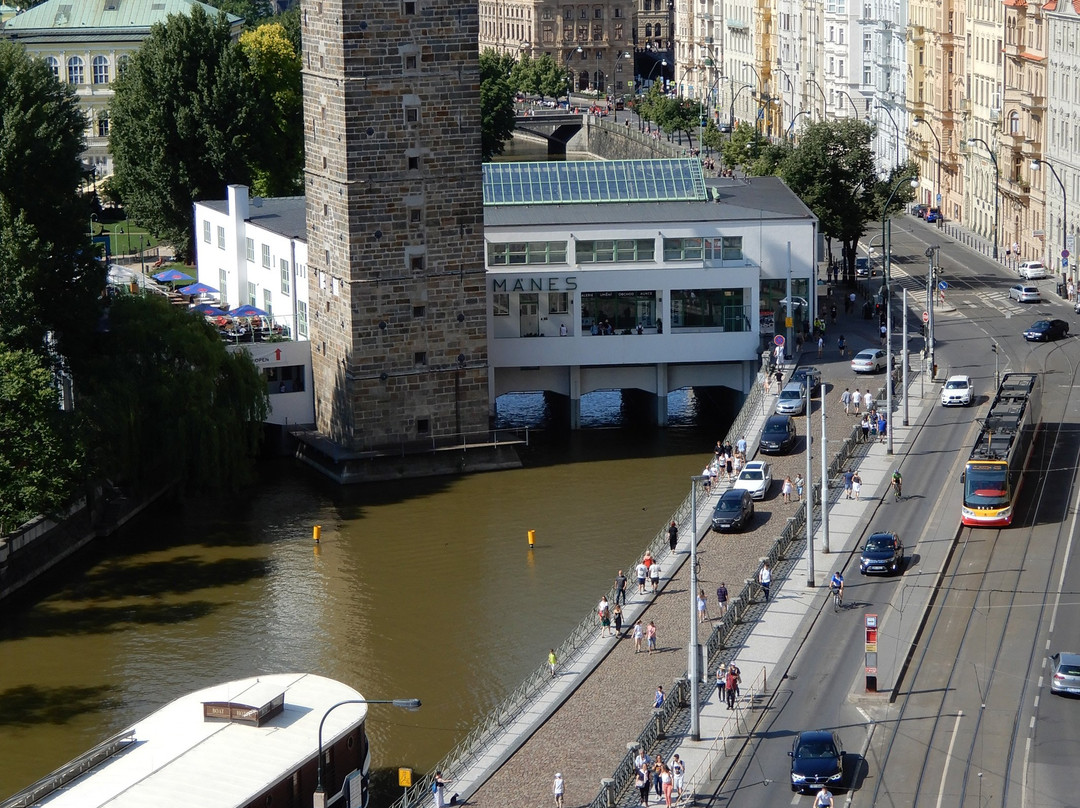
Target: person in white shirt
column 642, row 573
column 557, row 788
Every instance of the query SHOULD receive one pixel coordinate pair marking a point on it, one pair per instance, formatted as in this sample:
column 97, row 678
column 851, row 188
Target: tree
column 541, row 76
column 275, row 67
column 289, row 19
column 38, row 452
column 253, row 12
column 743, row 147
column 185, row 123
column 49, row 282
column 496, row 102
column 165, row 400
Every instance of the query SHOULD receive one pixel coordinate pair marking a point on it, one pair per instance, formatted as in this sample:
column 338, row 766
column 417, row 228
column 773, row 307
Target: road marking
column 1023, row 777
column 948, row 758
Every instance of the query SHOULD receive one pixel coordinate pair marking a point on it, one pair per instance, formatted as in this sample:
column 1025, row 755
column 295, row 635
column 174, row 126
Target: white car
column 1033, row 270
column 870, row 360
column 756, row 477
column 796, row 302
column 956, row 392
column 1025, row 293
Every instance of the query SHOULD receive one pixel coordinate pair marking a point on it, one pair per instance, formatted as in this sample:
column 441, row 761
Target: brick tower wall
column 395, row 219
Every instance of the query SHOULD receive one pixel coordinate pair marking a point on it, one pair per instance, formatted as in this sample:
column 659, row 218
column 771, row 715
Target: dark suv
column 734, row 510
column 778, row 436
column 883, row 552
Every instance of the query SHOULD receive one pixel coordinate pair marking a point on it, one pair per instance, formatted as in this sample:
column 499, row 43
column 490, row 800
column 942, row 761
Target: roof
column 179, row 759
column 590, row 181
column 84, row 15
column 284, row 215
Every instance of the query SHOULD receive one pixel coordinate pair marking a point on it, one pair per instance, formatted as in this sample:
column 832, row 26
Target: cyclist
column 897, row 483
column 836, row 586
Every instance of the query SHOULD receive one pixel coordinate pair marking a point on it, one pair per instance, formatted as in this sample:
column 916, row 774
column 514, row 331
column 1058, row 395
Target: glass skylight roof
column 567, row 183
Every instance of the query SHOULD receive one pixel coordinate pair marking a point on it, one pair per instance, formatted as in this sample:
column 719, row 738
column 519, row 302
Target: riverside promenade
column 598, row 703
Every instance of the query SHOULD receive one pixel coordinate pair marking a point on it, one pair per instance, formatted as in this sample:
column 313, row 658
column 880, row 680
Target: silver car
column 1025, row 293
column 1065, row 674
column 869, row 360
column 792, row 400
column 756, row 477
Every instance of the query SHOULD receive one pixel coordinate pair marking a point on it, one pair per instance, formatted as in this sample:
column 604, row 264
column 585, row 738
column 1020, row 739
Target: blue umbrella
column 170, row 275
column 199, row 289
column 248, row 311
column 210, row 311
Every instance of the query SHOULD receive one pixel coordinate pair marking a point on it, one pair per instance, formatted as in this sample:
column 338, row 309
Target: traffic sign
column 943, row 286
column 778, row 339
column 1064, row 253
column 926, row 316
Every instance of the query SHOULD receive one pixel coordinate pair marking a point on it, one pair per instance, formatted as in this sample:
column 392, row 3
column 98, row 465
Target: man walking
column 620, row 589
column 765, row 579
column 848, row 477
column 856, row 400
column 722, row 598
column 845, row 399
column 642, row 571
column 654, row 576
column 673, row 535
column 557, row 789
column 730, row 684
column 553, row 662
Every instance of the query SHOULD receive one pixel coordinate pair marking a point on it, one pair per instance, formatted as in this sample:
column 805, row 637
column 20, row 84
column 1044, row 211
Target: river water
column 422, row 589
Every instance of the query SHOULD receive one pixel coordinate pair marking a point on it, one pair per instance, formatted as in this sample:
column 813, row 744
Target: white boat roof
column 179, row 759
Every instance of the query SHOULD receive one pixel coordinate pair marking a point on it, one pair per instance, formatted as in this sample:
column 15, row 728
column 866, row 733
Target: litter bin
column 1061, row 290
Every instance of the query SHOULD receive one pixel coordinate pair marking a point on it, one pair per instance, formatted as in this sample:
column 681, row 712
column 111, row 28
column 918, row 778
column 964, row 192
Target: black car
column 817, row 759
column 1046, row 330
column 734, row 510
column 809, row 376
column 883, row 552
column 920, row 210
column 778, row 436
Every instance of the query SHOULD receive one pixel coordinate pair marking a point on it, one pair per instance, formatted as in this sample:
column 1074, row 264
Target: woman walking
column 785, row 490
column 702, row 606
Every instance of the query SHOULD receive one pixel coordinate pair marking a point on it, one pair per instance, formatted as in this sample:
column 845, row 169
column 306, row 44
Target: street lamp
column 854, row 108
column 731, row 112
column 1035, row 166
column 319, row 797
column 824, row 100
column 791, row 126
column 695, row 653
column 93, row 218
column 888, row 112
column 661, row 63
column 937, row 192
column 997, row 179
column 887, row 294
column 569, row 74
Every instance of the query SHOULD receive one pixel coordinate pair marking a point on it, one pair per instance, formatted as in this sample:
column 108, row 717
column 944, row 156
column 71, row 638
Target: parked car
column 862, row 267
column 1066, row 673
column 957, row 392
column 1033, row 270
column 724, row 128
column 868, row 360
column 919, row 210
column 817, row 759
column 797, row 302
column 792, row 399
column 778, row 435
column 808, row 376
column 1025, row 293
column 882, row 552
column 1046, row 330
column 755, row 479
column 734, row 510
column 933, row 215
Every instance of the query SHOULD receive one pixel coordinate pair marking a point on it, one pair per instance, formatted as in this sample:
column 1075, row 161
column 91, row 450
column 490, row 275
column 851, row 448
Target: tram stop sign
column 926, row 316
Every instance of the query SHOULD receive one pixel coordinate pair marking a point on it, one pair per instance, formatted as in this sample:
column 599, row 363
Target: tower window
column 417, row 263
column 419, row 311
column 409, row 8
column 420, row 358
column 414, row 163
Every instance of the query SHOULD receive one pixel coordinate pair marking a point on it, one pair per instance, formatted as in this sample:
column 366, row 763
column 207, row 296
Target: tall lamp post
column 1037, row 165
column 896, row 128
column 569, row 74
column 851, row 101
column 661, row 63
column 937, row 190
column 734, row 98
column 997, row 180
column 887, row 294
column 319, row 797
column 695, row 653
column 824, row 100
column 791, row 126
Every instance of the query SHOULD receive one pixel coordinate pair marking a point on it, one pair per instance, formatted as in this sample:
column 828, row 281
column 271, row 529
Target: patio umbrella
column 199, row 289
column 248, row 311
column 170, row 275
column 210, row 311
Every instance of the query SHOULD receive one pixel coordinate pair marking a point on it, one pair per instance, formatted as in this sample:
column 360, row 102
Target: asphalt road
column 972, row 722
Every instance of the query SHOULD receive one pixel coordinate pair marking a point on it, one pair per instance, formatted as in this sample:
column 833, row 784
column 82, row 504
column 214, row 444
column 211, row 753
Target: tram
column 994, row 473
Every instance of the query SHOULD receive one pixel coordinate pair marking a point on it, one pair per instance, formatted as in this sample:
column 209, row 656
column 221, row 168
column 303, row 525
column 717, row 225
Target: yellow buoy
column 316, row 532
column 532, row 538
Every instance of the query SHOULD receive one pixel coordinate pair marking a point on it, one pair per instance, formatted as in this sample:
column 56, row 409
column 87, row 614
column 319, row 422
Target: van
column 792, row 400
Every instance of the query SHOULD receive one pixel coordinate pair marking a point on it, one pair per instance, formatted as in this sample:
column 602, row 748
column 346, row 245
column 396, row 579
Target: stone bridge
column 603, row 137
column 557, row 128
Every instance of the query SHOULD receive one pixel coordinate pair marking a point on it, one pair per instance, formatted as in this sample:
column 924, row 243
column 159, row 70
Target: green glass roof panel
column 589, row 182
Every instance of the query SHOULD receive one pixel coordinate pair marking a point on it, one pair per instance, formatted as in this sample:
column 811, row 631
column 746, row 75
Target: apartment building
column 1060, row 172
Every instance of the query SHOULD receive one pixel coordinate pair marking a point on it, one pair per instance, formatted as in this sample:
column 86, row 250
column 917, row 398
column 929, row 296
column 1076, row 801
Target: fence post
column 658, row 717
column 607, row 786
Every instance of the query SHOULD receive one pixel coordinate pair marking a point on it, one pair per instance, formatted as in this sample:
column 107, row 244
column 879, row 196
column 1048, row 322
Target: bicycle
column 838, row 599
column 897, row 486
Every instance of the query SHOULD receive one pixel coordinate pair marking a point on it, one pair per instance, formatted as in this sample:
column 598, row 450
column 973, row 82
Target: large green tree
column 542, row 76
column 185, row 123
column 496, row 102
column 49, row 282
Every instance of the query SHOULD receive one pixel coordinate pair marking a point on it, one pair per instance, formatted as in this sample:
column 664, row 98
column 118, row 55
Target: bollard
column 607, row 788
column 658, row 717
column 532, row 538
column 316, row 533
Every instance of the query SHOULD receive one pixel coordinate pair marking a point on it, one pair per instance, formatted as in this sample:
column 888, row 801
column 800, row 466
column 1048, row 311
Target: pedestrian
column 678, row 769
column 650, row 637
column 658, row 698
column 557, row 789
column 603, row 610
column 824, row 798
column 641, row 783
column 832, row 313
column 665, row 784
column 702, row 606
column 768, row 380
column 616, row 618
column 553, row 662
column 731, row 681
column 884, row 331
column 868, row 400
column 721, row 681
column 845, row 399
column 849, row 477
column 778, row 353
column 438, row 790
column 820, row 347
column 882, row 426
column 740, row 446
column 779, row 378
column 736, row 465
column 648, row 560
column 785, row 489
column 642, row 573
column 799, row 486
column 738, row 677
column 856, row 484
column 620, row 588
column 654, row 577
column 856, row 400
column 639, row 632
column 722, row 598
column 851, row 302
column 673, row 535
column 841, row 343
column 729, row 462
column 865, row 426
column 765, row 579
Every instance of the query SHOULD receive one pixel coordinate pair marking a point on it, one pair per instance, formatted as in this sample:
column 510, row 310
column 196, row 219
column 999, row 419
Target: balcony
column 1018, row 189
column 1033, row 103
column 1013, row 50
column 1012, row 140
column 1032, row 149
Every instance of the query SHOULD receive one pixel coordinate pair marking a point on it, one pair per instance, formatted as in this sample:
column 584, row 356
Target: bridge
column 556, row 127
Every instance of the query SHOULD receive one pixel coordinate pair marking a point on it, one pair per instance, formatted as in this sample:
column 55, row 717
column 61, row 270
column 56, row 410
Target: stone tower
column 395, row 220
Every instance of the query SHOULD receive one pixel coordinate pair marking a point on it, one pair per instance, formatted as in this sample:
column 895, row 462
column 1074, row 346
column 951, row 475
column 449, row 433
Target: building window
column 206, row 231
column 301, row 318
column 423, row 426
column 54, row 65
column 221, row 237
column 420, row 358
column 683, row 249
column 286, row 281
column 623, row 311
column 622, row 250
column 252, row 294
column 268, row 303
column 223, row 285
column 409, row 8
column 527, row 252
column 414, row 215
column 121, row 64
column 410, row 62
column 414, row 163
column 412, row 115
column 103, row 124
column 500, row 304
column 416, row 263
column 709, row 308
column 419, row 311
column 558, row 302
column 75, row 70
column 250, row 244
column 284, row 379
column 101, row 70
column 266, row 255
